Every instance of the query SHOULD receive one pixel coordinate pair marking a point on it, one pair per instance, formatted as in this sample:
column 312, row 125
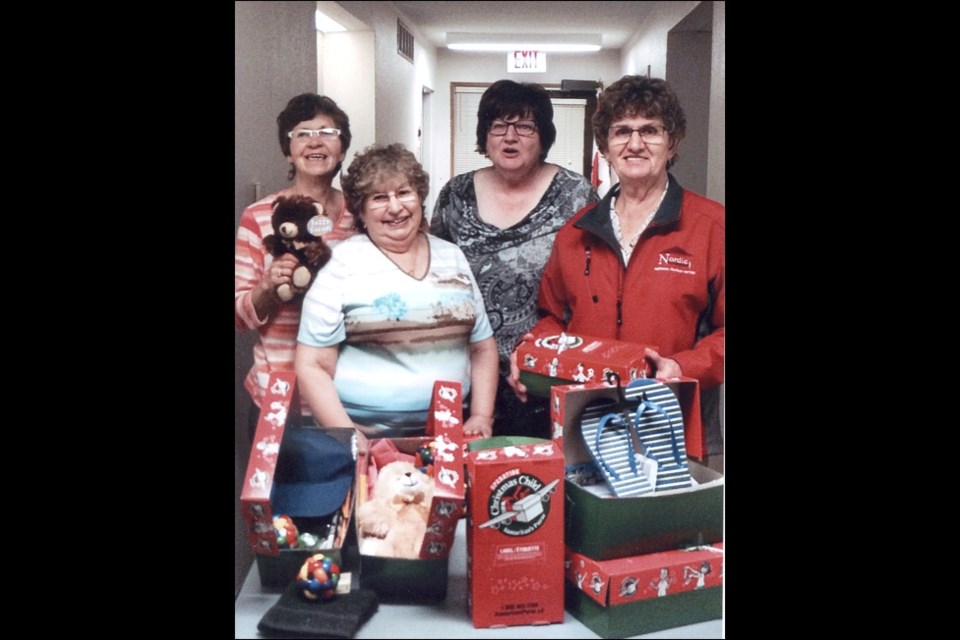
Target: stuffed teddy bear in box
column 393, row 522
column 298, row 224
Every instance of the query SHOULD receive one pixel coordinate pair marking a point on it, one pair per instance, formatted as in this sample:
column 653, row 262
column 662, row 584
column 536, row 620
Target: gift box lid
column 623, row 580
column 557, row 359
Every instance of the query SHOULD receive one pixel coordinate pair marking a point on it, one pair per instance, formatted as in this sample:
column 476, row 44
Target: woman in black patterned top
column 505, row 218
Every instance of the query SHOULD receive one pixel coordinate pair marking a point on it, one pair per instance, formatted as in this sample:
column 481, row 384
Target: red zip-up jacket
column 671, row 294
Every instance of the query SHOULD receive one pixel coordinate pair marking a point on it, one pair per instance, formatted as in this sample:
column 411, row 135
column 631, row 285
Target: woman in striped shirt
column 314, row 135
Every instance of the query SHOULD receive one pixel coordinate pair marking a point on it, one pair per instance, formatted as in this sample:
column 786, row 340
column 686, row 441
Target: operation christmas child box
column 564, row 358
column 640, row 594
column 602, row 526
column 298, row 491
column 514, row 532
column 410, row 498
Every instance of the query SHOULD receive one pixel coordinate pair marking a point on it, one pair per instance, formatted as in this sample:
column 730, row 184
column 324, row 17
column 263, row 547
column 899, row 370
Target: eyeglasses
column 524, row 128
column 306, row 134
column 379, row 201
column 649, row 133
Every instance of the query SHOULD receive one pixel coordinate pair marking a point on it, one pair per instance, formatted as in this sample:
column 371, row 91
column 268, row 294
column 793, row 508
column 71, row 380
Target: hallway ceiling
column 615, row 21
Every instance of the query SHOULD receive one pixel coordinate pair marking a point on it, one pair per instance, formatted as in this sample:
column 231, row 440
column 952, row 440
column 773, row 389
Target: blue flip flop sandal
column 610, row 442
column 658, row 424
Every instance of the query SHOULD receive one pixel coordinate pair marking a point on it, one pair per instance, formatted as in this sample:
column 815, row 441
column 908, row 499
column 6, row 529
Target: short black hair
column 505, row 99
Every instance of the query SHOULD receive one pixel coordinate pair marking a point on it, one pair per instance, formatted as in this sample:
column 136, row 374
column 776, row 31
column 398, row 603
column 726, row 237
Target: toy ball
column 318, row 578
column 286, row 532
column 425, row 457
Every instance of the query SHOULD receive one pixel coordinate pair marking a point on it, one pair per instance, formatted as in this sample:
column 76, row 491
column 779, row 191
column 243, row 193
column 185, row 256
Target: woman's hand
column 280, row 271
column 518, row 387
column 664, row 368
column 478, row 426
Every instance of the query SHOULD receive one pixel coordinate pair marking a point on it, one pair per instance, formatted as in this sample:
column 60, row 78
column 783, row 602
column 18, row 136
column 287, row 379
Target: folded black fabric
column 294, row 617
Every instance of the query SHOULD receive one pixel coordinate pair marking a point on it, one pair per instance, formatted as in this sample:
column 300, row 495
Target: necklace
column 415, row 250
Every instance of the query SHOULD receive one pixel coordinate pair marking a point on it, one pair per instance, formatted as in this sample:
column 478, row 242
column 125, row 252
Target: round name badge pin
column 319, row 225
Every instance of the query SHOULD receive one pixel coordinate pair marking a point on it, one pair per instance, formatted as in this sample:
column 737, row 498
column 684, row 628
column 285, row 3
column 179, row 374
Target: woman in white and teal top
column 393, row 311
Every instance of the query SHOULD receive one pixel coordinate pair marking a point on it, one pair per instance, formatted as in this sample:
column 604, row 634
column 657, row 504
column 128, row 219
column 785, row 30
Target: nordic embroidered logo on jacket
column 675, row 261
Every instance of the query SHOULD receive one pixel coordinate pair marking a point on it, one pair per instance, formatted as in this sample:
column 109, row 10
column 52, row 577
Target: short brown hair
column 375, row 164
column 305, row 107
column 639, row 96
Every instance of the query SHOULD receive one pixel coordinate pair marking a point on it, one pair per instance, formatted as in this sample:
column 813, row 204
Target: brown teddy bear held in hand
column 393, row 522
column 298, row 224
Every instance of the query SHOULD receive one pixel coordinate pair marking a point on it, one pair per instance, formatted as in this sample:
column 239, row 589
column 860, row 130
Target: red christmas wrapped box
column 640, row 594
column 565, row 358
column 299, row 488
column 410, row 498
column 514, row 532
column 653, row 575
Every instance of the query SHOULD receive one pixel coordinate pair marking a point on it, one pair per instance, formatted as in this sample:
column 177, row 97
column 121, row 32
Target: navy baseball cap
column 313, row 475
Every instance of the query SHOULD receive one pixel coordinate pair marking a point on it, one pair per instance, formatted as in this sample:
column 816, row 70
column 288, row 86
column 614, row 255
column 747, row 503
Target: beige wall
column 399, row 83
column 702, row 168
column 688, row 71
column 351, row 85
column 716, row 157
column 275, row 50
column 648, row 46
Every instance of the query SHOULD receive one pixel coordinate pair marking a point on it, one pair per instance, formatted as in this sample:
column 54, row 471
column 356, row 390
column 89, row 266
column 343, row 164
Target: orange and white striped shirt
column 277, row 342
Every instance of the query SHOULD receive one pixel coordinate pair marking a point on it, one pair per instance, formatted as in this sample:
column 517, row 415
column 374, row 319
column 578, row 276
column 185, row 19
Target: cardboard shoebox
column 514, row 532
column 438, row 455
column 644, row 593
column 305, row 473
column 601, row 526
column 561, row 359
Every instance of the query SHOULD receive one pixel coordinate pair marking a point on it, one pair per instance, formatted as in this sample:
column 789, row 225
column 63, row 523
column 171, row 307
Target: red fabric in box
column 383, row 452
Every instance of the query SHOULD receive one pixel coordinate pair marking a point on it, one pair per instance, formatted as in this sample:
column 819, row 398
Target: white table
column 440, row 620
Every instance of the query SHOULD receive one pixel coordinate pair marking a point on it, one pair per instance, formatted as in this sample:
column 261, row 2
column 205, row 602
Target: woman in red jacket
column 646, row 263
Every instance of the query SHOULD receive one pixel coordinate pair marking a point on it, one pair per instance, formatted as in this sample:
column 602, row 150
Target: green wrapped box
column 400, row 580
column 403, row 579
column 608, row 527
column 305, row 473
column 644, row 616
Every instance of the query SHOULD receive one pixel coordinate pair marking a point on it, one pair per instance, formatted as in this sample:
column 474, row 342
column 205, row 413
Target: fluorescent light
column 328, row 25
column 573, row 42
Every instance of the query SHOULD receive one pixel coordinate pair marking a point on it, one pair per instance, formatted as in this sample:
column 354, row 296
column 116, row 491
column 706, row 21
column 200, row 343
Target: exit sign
column 527, row 62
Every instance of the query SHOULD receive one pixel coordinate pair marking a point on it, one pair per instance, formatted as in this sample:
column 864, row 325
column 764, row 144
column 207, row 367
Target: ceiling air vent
column 404, row 41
